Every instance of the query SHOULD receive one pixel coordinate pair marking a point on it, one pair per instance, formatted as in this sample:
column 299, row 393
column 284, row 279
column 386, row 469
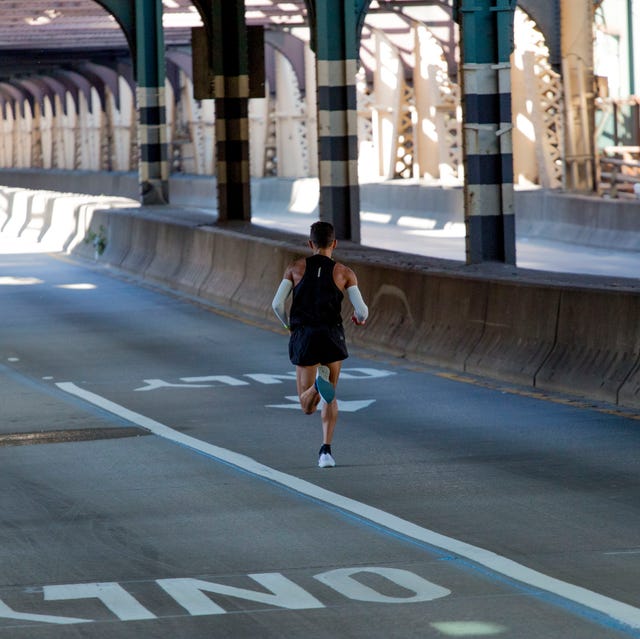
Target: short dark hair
column 322, row 234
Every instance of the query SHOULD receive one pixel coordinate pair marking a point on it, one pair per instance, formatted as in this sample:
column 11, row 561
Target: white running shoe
column 326, row 460
column 324, row 386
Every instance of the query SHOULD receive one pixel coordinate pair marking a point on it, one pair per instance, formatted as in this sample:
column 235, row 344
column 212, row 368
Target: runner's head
column 322, row 235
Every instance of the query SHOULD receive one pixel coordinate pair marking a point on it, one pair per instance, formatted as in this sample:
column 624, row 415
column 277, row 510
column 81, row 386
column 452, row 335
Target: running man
column 317, row 345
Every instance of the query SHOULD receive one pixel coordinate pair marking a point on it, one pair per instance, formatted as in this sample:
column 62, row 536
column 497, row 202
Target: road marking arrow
column 346, row 406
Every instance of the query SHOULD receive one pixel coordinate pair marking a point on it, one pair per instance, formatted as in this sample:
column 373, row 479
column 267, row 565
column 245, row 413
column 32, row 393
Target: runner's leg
column 307, row 392
column 330, row 411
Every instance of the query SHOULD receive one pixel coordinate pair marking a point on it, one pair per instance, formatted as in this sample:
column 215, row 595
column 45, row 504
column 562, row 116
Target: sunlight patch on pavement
column 468, row 628
column 82, row 286
column 19, row 281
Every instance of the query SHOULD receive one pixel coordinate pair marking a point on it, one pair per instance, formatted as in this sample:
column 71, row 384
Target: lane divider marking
column 617, row 611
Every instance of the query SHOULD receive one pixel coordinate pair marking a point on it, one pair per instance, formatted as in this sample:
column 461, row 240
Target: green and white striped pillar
column 486, row 44
column 153, row 164
column 336, row 40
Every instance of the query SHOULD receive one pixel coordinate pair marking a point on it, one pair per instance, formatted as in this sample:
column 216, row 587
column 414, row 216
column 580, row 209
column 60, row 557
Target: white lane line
column 616, row 610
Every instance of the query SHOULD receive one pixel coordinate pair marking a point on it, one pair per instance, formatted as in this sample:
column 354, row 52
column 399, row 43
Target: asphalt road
column 159, row 482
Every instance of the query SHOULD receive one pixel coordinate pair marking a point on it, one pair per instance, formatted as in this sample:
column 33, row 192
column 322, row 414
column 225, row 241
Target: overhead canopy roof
column 85, row 24
column 39, row 36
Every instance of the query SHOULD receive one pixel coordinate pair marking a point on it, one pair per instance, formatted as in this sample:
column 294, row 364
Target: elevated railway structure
column 480, row 95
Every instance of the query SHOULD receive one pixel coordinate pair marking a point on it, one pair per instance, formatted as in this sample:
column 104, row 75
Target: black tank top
column 317, row 301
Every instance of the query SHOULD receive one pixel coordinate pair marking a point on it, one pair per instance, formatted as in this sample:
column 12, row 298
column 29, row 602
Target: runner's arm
column 361, row 311
column 278, row 304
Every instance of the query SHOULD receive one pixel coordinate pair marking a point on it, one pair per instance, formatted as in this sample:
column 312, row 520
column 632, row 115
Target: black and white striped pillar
column 486, row 43
column 231, row 87
column 336, row 42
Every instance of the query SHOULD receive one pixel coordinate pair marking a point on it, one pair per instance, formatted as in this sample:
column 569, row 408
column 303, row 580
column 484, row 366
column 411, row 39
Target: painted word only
column 212, row 381
column 197, row 596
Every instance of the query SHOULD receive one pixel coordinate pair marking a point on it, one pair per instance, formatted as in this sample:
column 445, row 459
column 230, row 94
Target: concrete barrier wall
column 581, row 219
column 518, row 334
column 503, row 323
column 597, row 344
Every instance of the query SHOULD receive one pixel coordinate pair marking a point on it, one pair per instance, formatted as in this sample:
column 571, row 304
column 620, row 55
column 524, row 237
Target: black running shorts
column 311, row 345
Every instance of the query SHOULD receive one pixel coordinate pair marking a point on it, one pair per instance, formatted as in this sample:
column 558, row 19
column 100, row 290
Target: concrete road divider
column 17, row 212
column 142, row 245
column 597, row 344
column 168, row 253
column 519, row 332
column 194, row 270
column 394, row 297
column 629, row 394
column 264, row 264
column 118, row 226
column 5, row 205
column 227, row 268
column 454, row 311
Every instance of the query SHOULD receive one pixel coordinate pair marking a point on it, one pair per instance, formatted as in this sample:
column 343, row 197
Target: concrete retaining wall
column 579, row 335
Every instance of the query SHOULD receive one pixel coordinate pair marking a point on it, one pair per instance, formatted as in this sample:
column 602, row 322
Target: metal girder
column 75, row 84
column 55, row 88
column 178, row 61
column 546, row 14
column 17, row 95
column 102, row 76
column 124, row 13
column 32, row 88
column 292, row 48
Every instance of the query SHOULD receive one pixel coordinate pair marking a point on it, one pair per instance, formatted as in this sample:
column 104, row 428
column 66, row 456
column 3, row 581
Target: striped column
column 153, row 165
column 229, row 51
column 487, row 42
column 336, row 39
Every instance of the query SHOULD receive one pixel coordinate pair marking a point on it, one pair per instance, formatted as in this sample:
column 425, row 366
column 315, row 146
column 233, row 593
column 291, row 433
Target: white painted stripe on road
column 616, row 610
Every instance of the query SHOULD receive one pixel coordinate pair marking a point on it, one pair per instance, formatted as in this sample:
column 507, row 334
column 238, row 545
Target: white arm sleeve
column 360, row 308
column 286, row 286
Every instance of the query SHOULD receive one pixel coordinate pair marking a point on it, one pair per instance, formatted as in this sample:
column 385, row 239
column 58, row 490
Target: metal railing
column 619, row 172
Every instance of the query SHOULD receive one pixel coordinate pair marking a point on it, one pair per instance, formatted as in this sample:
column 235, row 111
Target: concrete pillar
column 487, row 43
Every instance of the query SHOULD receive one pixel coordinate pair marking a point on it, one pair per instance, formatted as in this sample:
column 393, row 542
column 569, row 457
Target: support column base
column 491, row 238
